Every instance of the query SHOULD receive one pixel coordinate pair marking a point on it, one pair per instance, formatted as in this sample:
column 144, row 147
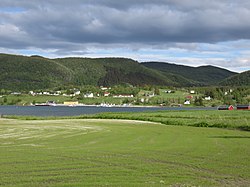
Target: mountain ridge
column 241, row 79
column 203, row 75
column 20, row 72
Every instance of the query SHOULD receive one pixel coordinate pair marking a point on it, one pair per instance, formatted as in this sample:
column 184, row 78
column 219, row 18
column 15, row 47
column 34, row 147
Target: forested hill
column 242, row 79
column 36, row 72
column 112, row 71
column 203, row 75
column 24, row 73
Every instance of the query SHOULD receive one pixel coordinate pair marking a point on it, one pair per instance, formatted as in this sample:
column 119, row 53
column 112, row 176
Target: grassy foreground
column 85, row 152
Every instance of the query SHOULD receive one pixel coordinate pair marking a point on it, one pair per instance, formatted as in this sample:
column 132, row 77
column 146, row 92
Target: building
column 189, row 97
column 106, row 94
column 71, row 103
column 225, row 107
column 187, row 102
column 77, row 92
column 168, row 91
column 124, row 96
column 105, row 88
column 208, row 98
column 89, row 95
column 243, row 107
column 192, row 91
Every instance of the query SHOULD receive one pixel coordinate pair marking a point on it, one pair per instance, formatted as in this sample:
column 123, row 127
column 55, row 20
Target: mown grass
column 97, row 152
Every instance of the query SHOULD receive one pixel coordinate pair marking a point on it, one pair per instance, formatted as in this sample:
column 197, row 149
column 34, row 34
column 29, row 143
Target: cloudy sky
column 190, row 32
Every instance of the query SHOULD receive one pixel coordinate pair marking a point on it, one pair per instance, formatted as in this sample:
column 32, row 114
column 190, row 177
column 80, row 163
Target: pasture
column 104, row 152
column 236, row 119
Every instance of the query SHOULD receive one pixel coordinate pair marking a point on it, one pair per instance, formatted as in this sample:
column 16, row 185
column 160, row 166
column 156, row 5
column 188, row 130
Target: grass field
column 98, row 152
column 236, row 119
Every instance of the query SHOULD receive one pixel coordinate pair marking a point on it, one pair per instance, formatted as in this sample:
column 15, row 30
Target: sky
column 189, row 32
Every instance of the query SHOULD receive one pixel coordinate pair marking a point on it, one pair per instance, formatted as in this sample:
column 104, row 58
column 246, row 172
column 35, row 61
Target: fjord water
column 80, row 110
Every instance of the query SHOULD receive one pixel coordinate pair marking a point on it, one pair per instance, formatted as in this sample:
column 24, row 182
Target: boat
column 48, row 103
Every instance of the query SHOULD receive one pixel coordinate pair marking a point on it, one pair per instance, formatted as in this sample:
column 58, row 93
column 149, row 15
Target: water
column 79, row 110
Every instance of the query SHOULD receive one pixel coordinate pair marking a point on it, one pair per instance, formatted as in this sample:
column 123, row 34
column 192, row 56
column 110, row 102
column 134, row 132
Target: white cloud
column 184, row 31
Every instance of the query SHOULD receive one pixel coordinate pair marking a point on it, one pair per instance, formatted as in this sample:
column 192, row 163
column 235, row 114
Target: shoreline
column 109, row 106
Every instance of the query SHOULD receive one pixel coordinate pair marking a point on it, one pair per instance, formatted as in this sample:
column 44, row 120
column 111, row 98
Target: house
column 149, row 94
column 192, row 91
column 243, row 107
column 46, row 93
column 105, row 88
column 89, row 95
column 77, row 92
column 189, row 97
column 187, row 102
column 16, row 93
column 32, row 93
column 168, row 91
column 106, row 94
column 225, row 107
column 208, row 98
column 122, row 96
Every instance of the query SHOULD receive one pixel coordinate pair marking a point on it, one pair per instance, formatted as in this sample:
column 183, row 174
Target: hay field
column 98, row 152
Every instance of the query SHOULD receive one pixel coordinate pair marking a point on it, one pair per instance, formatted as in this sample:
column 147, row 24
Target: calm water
column 79, row 110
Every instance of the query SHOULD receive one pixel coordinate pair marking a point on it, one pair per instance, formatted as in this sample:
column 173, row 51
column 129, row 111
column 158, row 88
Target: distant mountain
column 36, row 72
column 242, row 79
column 203, row 75
column 20, row 72
column 112, row 71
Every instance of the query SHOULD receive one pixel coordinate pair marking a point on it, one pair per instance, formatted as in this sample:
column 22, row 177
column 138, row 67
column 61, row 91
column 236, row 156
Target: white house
column 46, row 93
column 16, row 93
column 208, row 98
column 192, row 91
column 168, row 91
column 77, row 92
column 120, row 96
column 105, row 88
column 106, row 94
column 187, row 102
column 89, row 95
column 32, row 93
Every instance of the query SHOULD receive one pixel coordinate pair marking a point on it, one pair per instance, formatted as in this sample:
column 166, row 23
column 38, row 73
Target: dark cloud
column 56, row 23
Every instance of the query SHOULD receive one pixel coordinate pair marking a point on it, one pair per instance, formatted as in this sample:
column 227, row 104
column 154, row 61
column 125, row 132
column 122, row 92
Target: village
column 223, row 99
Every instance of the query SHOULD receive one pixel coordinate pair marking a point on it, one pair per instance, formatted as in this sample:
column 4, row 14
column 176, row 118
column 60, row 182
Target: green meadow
column 236, row 119
column 115, row 152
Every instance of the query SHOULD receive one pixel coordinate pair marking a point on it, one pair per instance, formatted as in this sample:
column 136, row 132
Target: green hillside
column 36, row 72
column 203, row 75
column 29, row 73
column 20, row 72
column 242, row 79
column 112, row 71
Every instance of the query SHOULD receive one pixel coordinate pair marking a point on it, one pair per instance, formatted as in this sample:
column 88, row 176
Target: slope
column 112, row 71
column 29, row 73
column 24, row 73
column 203, row 75
column 242, row 79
